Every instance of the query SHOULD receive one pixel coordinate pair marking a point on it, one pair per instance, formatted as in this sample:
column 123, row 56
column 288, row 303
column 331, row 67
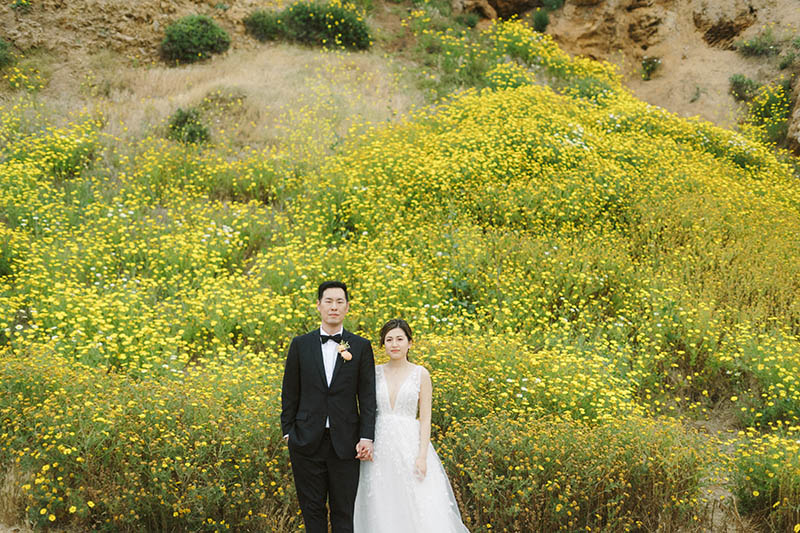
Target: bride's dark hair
column 392, row 324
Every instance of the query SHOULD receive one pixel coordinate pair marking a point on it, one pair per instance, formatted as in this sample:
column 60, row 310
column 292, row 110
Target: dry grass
column 298, row 100
column 11, row 497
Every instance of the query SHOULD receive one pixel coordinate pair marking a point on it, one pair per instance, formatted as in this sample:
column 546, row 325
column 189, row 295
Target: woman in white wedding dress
column 404, row 489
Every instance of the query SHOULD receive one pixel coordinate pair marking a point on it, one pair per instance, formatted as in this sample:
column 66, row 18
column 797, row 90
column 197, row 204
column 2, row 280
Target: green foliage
column 311, row 23
column 217, row 444
column 470, row 20
column 624, row 475
column 552, row 5
column 193, row 38
column 787, row 60
column 6, row 57
column 541, row 19
column 506, row 55
column 763, row 44
column 649, row 67
column 325, row 25
column 264, row 25
column 769, row 111
column 186, row 126
column 766, row 477
column 6, row 259
column 23, row 6
column 743, row 88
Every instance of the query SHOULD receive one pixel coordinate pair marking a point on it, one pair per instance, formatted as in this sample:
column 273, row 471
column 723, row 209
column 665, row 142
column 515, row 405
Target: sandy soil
column 692, row 79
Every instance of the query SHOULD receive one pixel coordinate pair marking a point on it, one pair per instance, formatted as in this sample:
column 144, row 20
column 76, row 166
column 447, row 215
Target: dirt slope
column 134, row 28
column 692, row 38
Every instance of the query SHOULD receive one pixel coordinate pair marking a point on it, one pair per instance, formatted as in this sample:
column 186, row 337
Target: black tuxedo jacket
column 307, row 400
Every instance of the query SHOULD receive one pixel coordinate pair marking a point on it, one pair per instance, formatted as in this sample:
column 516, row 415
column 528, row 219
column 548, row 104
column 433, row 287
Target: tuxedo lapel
column 339, row 359
column 316, row 351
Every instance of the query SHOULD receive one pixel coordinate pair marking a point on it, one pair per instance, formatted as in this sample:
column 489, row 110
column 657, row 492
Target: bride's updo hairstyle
column 392, row 324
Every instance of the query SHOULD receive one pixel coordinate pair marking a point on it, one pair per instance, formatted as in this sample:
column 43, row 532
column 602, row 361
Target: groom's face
column 333, row 306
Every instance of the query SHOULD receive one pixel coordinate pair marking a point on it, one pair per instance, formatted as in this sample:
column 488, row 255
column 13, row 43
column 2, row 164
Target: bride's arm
column 425, row 399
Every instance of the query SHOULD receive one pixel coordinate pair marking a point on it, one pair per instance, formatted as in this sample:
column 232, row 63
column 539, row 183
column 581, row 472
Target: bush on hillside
column 5, row 54
column 540, row 20
column 761, row 45
column 552, row 5
column 313, row 24
column 264, row 25
column 649, row 66
column 193, row 38
column 742, row 87
column 769, row 111
column 186, row 126
column 787, row 61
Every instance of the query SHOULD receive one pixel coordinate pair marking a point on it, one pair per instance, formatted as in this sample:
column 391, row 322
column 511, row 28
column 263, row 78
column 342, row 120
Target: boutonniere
column 343, row 348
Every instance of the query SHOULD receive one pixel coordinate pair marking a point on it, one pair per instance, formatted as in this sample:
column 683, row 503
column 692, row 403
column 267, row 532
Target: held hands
column 421, row 467
column 364, row 450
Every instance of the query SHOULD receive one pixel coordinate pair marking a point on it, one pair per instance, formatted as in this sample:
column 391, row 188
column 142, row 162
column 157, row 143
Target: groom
column 328, row 414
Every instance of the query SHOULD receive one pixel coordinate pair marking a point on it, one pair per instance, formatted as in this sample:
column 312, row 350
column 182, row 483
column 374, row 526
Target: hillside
column 693, row 39
column 606, row 293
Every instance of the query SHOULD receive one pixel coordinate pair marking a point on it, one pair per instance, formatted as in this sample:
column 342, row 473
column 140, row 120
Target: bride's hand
column 421, row 468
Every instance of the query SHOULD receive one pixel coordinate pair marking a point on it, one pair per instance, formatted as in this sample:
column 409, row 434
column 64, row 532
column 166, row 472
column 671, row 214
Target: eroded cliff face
column 694, row 42
column 793, row 137
column 134, row 28
column 692, row 39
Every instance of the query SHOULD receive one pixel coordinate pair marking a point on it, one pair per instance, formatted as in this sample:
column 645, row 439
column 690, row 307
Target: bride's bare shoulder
column 423, row 371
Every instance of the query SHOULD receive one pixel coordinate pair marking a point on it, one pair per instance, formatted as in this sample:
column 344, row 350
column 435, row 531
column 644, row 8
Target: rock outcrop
column 482, row 7
column 135, row 28
column 793, row 137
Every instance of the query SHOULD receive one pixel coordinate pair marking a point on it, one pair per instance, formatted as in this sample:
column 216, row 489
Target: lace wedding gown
column 390, row 498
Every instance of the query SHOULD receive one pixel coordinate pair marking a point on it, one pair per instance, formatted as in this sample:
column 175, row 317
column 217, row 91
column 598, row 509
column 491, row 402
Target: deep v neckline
column 399, row 388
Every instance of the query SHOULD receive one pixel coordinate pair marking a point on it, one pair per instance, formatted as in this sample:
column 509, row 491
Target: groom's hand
column 364, row 450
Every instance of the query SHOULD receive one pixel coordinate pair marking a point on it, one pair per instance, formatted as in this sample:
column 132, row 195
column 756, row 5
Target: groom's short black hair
column 333, row 284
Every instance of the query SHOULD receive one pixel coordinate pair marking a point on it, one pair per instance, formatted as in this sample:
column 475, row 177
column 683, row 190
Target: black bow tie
column 335, row 338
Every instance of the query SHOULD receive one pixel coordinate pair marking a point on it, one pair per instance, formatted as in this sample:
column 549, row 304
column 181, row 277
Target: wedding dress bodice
column 405, row 404
column 391, row 498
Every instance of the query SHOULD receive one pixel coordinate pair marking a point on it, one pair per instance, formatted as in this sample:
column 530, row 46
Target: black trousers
column 322, row 477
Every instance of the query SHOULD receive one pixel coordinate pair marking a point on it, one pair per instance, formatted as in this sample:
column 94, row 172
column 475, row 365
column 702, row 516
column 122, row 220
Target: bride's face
column 396, row 344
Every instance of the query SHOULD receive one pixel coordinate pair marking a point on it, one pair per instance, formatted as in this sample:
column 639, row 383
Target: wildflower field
column 586, row 275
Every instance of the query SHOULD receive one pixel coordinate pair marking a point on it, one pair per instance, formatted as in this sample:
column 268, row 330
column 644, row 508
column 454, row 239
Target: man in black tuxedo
column 328, row 413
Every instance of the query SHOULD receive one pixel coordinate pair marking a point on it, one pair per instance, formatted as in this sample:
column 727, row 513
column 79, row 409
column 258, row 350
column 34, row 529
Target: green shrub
column 193, row 38
column 325, row 25
column 6, row 58
column 470, row 20
column 186, row 126
column 540, row 20
column 264, row 25
column 770, row 109
column 742, row 87
column 787, row 60
column 552, row 5
column 649, row 66
column 23, row 6
column 313, row 24
column 761, row 45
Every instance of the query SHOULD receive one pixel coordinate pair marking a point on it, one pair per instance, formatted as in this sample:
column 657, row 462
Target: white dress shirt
column 329, row 353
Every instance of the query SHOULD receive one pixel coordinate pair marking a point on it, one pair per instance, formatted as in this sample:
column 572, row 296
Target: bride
column 404, row 489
